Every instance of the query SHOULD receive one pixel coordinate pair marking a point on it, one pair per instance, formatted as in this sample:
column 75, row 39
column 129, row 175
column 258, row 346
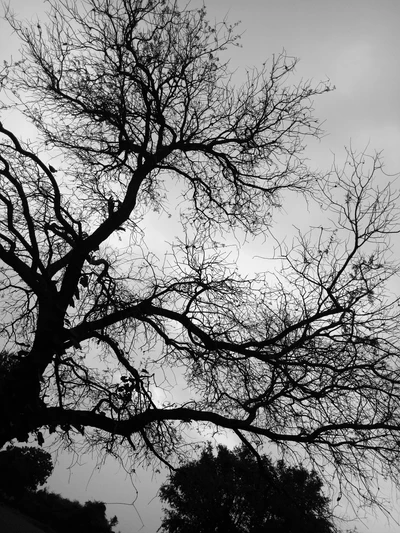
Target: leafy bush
column 23, row 469
column 64, row 515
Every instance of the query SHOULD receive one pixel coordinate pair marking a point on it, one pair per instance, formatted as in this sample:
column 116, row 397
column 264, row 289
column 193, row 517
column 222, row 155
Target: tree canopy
column 23, row 469
column 124, row 312
column 63, row 515
column 233, row 492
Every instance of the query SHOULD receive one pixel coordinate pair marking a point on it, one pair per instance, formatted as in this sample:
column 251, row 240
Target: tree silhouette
column 234, row 493
column 63, row 515
column 133, row 342
column 23, row 469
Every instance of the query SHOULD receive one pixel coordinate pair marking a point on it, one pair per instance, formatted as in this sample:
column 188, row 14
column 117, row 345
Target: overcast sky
column 354, row 43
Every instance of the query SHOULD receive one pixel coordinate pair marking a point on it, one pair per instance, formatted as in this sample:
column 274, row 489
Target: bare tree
column 138, row 113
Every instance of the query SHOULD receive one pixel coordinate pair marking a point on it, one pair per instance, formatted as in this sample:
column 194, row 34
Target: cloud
column 353, row 67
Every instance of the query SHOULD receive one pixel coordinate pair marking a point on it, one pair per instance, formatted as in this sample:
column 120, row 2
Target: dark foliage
column 23, row 469
column 66, row 516
column 232, row 492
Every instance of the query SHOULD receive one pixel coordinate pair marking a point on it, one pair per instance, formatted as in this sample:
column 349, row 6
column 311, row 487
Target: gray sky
column 354, row 43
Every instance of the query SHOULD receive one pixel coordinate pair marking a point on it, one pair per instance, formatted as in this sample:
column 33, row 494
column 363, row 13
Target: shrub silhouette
column 23, row 469
column 65, row 516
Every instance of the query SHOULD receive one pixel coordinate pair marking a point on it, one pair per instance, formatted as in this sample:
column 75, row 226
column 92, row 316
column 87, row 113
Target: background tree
column 23, row 469
column 234, row 492
column 132, row 347
column 63, row 515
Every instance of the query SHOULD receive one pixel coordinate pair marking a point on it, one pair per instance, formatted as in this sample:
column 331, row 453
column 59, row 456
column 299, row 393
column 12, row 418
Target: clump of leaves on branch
column 138, row 114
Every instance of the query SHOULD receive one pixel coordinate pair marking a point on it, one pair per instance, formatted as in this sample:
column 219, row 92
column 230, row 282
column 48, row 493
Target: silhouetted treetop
column 23, row 469
column 234, row 492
